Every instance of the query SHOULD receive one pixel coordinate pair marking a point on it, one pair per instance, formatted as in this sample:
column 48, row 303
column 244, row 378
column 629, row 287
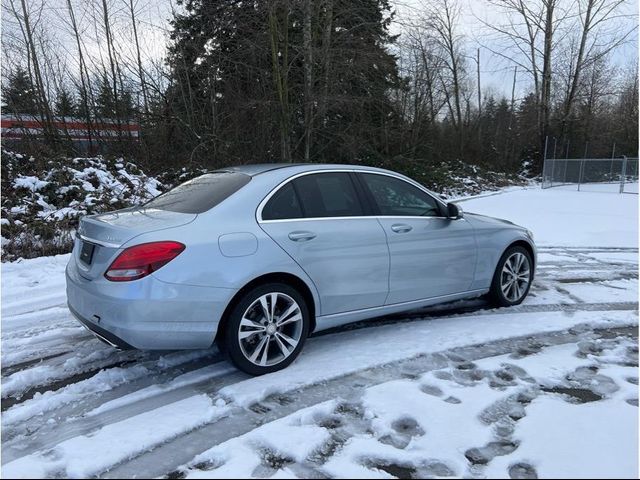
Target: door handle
column 301, row 236
column 401, row 228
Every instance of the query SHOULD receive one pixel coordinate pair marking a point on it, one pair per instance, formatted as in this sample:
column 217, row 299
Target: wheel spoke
column 265, row 354
column 265, row 307
column 293, row 308
column 296, row 318
column 287, row 339
column 246, row 334
column 519, row 259
column 274, row 301
column 258, row 349
column 247, row 322
column 505, row 287
column 283, row 348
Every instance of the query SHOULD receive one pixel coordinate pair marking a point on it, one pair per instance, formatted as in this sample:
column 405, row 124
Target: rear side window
column 201, row 193
column 328, row 195
column 282, row 205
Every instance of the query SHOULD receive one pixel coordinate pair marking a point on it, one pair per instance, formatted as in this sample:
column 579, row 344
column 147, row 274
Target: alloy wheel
column 515, row 277
column 270, row 329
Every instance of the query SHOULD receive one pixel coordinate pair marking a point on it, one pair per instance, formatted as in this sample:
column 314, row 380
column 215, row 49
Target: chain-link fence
column 592, row 174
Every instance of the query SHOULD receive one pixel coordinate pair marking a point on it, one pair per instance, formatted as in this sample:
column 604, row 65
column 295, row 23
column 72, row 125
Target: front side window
column 201, row 193
column 395, row 197
column 330, row 194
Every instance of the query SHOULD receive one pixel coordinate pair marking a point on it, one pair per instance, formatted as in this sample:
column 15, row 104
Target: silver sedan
column 254, row 258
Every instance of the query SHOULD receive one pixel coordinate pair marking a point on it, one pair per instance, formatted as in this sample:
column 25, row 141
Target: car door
column 320, row 221
column 431, row 255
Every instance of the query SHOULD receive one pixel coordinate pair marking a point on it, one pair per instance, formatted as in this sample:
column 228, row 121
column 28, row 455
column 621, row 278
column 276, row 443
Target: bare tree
column 143, row 86
column 442, row 17
column 23, row 18
column 84, row 75
column 528, row 41
column 421, row 63
column 592, row 15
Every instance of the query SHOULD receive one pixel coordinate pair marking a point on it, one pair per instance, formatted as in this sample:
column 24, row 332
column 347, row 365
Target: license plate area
column 86, row 252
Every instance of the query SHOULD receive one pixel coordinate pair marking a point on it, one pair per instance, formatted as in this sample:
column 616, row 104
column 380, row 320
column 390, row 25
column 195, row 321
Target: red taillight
column 141, row 260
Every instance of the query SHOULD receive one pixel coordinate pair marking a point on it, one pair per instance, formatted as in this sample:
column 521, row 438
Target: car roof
column 256, row 169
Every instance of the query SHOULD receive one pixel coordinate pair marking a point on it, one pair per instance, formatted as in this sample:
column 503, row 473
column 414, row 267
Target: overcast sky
column 154, row 16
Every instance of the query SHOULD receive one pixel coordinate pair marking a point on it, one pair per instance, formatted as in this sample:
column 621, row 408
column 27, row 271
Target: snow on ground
column 562, row 216
column 494, row 417
column 548, row 388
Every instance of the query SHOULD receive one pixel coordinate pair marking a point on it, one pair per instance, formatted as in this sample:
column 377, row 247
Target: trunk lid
column 101, row 236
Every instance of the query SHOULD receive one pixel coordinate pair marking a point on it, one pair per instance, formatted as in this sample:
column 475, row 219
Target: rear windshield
column 201, row 193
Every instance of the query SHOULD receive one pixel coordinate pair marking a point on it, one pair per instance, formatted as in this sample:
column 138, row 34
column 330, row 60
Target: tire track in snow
column 83, row 371
column 91, row 417
column 84, row 456
column 84, row 394
column 23, row 447
column 164, row 459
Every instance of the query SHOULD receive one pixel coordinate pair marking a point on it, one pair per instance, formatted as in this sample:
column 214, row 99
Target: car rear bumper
column 102, row 334
column 146, row 314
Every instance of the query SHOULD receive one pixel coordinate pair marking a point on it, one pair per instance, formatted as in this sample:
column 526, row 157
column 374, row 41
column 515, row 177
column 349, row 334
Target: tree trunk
column 575, row 81
column 84, row 77
column 280, row 75
column 308, row 78
column 112, row 65
column 326, row 61
column 143, row 86
column 42, row 100
column 545, row 103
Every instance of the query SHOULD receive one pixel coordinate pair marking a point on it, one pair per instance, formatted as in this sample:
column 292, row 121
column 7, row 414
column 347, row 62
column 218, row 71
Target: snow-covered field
column 562, row 216
column 549, row 388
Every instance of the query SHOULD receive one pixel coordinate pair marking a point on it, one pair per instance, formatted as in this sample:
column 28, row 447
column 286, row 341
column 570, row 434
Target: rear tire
column 267, row 328
column 512, row 278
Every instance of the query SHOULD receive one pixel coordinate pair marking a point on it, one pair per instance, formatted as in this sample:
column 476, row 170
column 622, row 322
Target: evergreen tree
column 65, row 104
column 20, row 94
column 105, row 106
column 81, row 111
column 527, row 120
column 238, row 74
column 109, row 108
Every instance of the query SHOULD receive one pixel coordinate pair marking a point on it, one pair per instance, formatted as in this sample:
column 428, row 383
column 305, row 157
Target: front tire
column 267, row 329
column 512, row 278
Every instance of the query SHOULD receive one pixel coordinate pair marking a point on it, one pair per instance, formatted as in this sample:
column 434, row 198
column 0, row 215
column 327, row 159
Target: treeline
column 326, row 81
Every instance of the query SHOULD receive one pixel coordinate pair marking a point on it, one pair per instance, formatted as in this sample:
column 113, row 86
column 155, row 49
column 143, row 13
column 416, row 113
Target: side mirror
column 454, row 211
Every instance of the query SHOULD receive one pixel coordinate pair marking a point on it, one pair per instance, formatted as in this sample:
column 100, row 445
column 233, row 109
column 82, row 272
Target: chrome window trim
column 355, row 217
